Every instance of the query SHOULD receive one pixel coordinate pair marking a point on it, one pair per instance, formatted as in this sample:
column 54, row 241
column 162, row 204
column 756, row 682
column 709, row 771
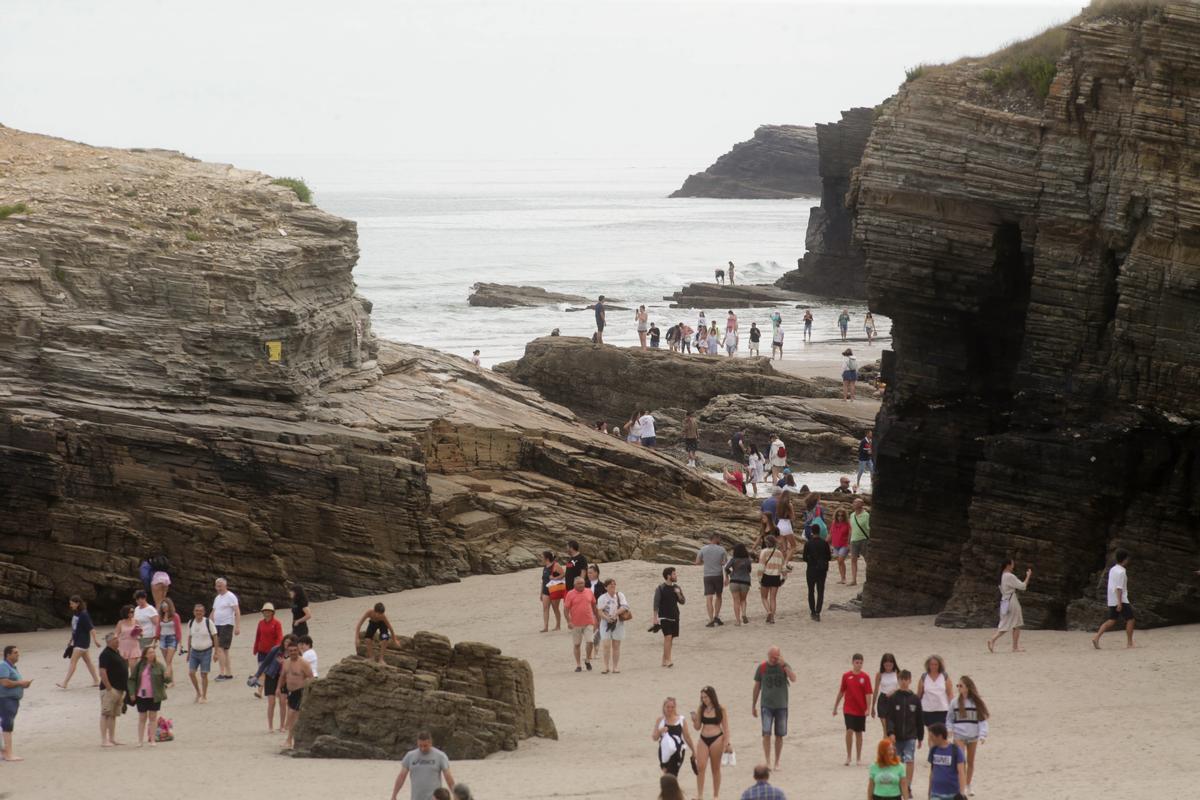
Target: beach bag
column 557, row 588
column 852, row 363
column 165, row 732
column 1005, row 604
column 781, row 452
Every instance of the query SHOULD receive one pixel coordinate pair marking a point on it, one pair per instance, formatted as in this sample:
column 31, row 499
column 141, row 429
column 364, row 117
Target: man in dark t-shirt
column 599, row 308
column 668, row 597
column 737, row 446
column 576, row 563
column 114, row 676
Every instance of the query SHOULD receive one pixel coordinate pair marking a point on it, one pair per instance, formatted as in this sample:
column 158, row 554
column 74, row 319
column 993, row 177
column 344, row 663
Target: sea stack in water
column 500, row 295
column 1033, row 238
column 780, row 161
column 834, row 265
column 188, row 370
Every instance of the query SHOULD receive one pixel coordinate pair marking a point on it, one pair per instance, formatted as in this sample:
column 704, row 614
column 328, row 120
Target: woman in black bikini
column 379, row 626
column 673, row 738
column 713, row 724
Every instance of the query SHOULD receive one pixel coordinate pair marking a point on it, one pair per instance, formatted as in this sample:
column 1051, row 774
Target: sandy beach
column 1068, row 722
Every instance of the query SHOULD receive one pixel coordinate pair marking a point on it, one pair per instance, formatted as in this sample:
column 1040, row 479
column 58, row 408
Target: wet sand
column 1068, row 721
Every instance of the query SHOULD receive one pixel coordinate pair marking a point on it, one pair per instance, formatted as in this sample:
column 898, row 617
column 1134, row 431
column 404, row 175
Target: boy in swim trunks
column 379, row 631
column 293, row 677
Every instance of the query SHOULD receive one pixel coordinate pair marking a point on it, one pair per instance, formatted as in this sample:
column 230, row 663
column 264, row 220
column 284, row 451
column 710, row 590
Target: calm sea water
column 429, row 230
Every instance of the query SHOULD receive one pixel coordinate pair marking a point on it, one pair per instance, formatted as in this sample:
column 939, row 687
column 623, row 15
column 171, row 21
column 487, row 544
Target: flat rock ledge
column 473, row 700
column 716, row 295
column 500, row 295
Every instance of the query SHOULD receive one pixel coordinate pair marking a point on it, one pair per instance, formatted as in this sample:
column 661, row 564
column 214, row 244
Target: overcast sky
column 443, row 79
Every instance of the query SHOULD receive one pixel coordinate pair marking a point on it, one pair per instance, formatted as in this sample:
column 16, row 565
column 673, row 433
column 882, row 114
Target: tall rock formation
column 186, row 368
column 834, row 264
column 1041, row 265
column 779, row 162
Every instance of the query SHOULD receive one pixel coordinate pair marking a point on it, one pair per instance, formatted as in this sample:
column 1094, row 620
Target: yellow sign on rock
column 275, row 350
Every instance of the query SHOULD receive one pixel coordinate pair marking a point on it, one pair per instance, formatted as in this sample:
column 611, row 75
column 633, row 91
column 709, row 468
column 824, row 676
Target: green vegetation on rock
column 298, row 186
column 912, row 73
column 16, row 208
column 194, row 236
column 1030, row 64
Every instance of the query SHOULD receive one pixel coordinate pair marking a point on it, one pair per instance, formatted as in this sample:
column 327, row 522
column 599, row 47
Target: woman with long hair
column 770, row 571
column 712, row 722
column 633, row 429
column 301, row 615
column 1011, row 618
column 785, row 521
column 643, row 324
column 737, row 576
column 934, row 690
column 673, row 738
column 83, row 636
column 554, row 588
column 839, row 540
column 887, row 777
column 128, row 636
column 968, row 722
column 169, row 633
column 668, row 788
column 887, row 680
column 147, row 685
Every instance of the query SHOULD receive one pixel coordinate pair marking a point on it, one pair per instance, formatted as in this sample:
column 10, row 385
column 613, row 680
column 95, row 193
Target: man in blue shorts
column 771, row 683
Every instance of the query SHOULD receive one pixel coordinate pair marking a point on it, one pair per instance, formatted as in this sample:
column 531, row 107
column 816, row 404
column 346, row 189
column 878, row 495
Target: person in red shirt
column 268, row 635
column 856, row 689
column 581, row 615
column 839, row 540
column 736, row 478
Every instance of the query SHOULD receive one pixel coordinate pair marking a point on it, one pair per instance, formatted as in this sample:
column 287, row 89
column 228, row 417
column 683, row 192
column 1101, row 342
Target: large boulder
column 473, row 700
column 741, row 295
column 500, row 295
column 1032, row 235
column 187, row 369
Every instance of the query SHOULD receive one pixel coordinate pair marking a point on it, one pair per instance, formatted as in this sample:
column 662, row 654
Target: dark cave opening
column 999, row 326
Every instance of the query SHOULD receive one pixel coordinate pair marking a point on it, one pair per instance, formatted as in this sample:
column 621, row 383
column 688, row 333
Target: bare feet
column 106, row 744
column 991, row 648
column 1018, row 649
column 14, row 758
column 543, row 630
column 1095, row 643
column 61, row 685
column 203, row 699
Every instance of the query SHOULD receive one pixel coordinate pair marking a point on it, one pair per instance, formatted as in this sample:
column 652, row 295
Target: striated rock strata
column 748, row 295
column 500, row 295
column 1041, row 265
column 186, row 368
column 834, row 265
column 780, row 161
column 473, row 700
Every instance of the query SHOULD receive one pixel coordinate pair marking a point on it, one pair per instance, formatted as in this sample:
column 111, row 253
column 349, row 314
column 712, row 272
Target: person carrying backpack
column 849, row 374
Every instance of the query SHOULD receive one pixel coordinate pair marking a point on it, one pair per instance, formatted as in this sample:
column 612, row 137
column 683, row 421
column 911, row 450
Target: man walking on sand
column 856, row 689
column 860, row 536
column 1119, row 607
column 581, row 617
column 114, row 676
column 202, row 638
column 713, row 557
column 668, row 597
column 427, row 765
column 771, row 682
column 599, row 309
column 762, row 790
column 227, row 616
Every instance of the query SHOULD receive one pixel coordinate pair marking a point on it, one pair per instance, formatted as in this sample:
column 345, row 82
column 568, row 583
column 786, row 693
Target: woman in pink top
column 169, row 633
column 839, row 540
column 128, row 635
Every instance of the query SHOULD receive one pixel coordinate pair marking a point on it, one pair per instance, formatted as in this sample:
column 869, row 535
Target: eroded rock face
column 500, row 295
column 473, row 700
column 1042, row 271
column 749, row 295
column 834, row 265
column 780, row 161
column 141, row 410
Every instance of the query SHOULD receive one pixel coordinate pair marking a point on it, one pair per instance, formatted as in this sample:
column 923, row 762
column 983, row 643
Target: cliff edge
column 186, row 368
column 780, row 161
column 1032, row 233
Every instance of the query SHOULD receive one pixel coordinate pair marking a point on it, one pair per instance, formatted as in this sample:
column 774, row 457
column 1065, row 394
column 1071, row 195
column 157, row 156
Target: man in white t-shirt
column 646, row 427
column 202, row 638
column 145, row 617
column 1119, row 607
column 227, row 616
column 777, row 455
column 308, row 654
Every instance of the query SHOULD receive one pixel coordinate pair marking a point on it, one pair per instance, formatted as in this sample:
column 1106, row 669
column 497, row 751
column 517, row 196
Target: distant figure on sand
column 598, row 307
column 855, row 688
column 731, row 268
column 655, row 336
column 554, row 588
column 668, row 597
column 755, row 337
column 719, row 275
column 1119, row 607
column 613, row 610
column 581, row 614
column 737, row 578
column 808, row 321
column 849, row 374
column 713, row 557
column 777, row 342
column 860, row 536
column 1011, row 618
column 844, row 323
column 642, row 318
column 83, row 636
column 227, row 616
column 771, row 680
column 869, row 327
column 866, row 459
column 378, row 634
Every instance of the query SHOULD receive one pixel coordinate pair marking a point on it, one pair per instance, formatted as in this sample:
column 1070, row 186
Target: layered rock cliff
column 779, row 161
column 186, row 368
column 834, row 265
column 1040, row 261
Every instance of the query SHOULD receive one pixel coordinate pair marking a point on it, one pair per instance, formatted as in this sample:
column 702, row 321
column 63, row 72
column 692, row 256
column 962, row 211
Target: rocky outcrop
column 1039, row 261
column 473, row 700
column 186, row 368
column 780, row 161
column 834, row 265
column 716, row 295
column 500, row 295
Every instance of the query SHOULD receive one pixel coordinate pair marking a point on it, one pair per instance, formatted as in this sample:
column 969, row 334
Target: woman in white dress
column 1010, row 607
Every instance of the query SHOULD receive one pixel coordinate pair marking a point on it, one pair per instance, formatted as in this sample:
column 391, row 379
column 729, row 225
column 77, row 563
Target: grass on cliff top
column 1133, row 10
column 15, row 208
column 298, row 186
column 1029, row 64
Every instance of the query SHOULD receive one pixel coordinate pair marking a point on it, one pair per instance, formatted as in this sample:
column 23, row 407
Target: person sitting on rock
column 378, row 634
